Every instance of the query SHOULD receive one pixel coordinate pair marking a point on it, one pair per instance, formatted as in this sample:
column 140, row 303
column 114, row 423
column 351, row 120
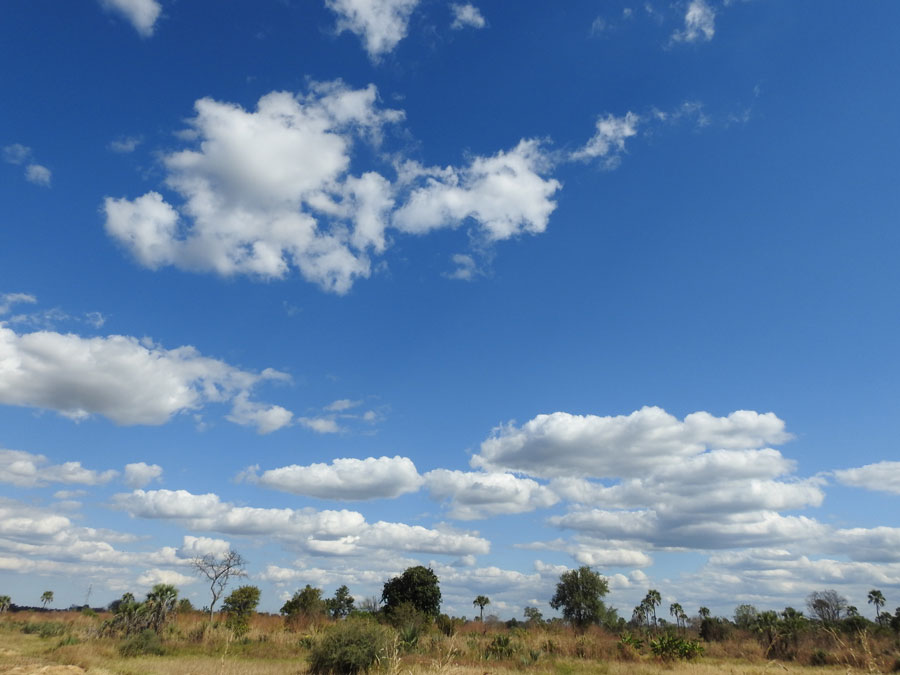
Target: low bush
column 145, row 642
column 670, row 647
column 44, row 629
column 353, row 646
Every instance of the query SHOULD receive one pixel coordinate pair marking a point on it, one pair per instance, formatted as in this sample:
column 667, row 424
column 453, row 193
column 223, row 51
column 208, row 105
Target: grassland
column 69, row 643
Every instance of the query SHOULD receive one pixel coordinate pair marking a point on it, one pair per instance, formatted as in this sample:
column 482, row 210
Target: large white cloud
column 471, row 495
column 269, row 190
column 381, row 24
column 562, row 444
column 346, row 478
column 127, row 380
column 142, row 14
column 326, row 532
column 29, row 470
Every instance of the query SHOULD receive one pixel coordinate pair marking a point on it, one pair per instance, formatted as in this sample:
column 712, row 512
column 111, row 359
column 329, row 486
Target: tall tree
column 653, row 600
column 5, row 602
column 341, row 604
column 219, row 571
column 46, row 598
column 579, row 594
column 704, row 612
column 676, row 610
column 306, row 605
column 418, row 586
column 876, row 598
column 481, row 601
column 828, row 605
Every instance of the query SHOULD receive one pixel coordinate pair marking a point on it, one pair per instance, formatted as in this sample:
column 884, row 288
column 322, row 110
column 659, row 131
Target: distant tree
column 184, row 606
column 481, row 601
column 240, row 606
column 828, row 605
column 219, row 571
column 533, row 616
column 341, row 604
column 744, row 616
column 704, row 612
column 5, row 602
column 418, row 586
column 579, row 594
column 677, row 611
column 159, row 606
column 876, row 598
column 46, row 598
column 307, row 604
column 639, row 615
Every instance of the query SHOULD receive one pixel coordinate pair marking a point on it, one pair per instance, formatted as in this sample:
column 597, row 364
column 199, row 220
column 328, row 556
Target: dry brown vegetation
column 68, row 643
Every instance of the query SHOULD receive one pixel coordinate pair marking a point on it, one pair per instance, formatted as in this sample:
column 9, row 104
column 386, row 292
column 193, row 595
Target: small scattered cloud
column 125, row 144
column 598, row 26
column 19, row 154
column 7, row 300
column 142, row 14
column 161, row 576
column 342, row 404
column 466, row 267
column 25, row 469
column 139, row 474
column 466, row 16
column 380, row 24
column 699, row 23
column 608, row 141
column 321, row 425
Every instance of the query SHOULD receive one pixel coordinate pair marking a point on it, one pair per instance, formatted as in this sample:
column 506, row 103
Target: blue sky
column 352, row 285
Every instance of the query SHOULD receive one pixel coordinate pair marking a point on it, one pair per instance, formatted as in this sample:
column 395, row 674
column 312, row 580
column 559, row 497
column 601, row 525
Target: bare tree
column 219, row 571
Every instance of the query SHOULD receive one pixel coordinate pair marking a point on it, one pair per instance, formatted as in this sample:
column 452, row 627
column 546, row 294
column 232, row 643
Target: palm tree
column 46, row 598
column 876, row 598
column 5, row 602
column 704, row 612
column 653, row 601
column 481, row 601
column 677, row 611
column 159, row 604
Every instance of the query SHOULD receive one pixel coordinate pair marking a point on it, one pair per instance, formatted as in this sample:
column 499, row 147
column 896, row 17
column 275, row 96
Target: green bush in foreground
column 350, row 647
column 145, row 642
column 669, row 647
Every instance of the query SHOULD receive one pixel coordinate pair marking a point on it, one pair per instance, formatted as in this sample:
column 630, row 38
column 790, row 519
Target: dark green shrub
column 351, row 647
column 820, row 657
column 500, row 647
column 714, row 629
column 145, row 642
column 44, row 629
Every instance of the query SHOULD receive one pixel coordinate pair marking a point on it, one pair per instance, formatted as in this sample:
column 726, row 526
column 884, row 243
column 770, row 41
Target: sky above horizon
column 355, row 285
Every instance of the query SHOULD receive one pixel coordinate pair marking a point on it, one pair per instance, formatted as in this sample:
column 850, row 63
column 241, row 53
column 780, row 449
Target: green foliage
column 354, row 646
column 500, row 647
column 714, row 629
column 744, row 616
column 307, row 603
column 88, row 612
column 240, row 606
column 533, row 616
column 44, row 629
column 631, row 640
column 46, row 598
column 145, row 642
column 480, row 602
column 579, row 594
column 341, row 604
column 417, row 586
column 448, row 625
column 5, row 602
column 184, row 606
column 670, row 647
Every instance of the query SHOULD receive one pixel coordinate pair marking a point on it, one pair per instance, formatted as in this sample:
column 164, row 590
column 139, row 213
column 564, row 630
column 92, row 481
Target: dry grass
column 68, row 643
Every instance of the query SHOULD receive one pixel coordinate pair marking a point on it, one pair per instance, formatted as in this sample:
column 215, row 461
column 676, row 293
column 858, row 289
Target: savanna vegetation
column 404, row 631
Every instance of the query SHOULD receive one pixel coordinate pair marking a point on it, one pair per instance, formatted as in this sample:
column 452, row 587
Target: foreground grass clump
column 143, row 643
column 351, row 647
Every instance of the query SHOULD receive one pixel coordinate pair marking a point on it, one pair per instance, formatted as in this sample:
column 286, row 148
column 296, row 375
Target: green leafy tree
column 652, row 600
column 533, row 616
column 418, row 586
column 306, row 605
column 704, row 612
column 184, row 606
column 219, row 571
column 46, row 598
column 480, row 601
column 677, row 611
column 876, row 598
column 745, row 616
column 5, row 602
column 341, row 604
column 579, row 593
column 240, row 606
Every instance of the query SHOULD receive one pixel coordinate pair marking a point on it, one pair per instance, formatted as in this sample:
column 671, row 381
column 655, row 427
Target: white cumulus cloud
column 466, row 16
column 475, row 494
column 29, row 470
column 880, row 477
column 699, row 23
column 127, row 380
column 346, row 478
column 139, row 474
